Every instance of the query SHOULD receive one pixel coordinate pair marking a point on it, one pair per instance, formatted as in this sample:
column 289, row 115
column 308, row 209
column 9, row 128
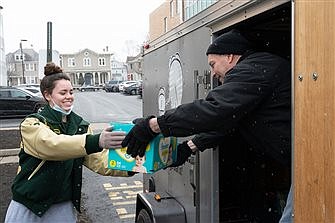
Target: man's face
column 220, row 65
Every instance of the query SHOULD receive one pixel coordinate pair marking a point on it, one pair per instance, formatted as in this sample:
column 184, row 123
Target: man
column 254, row 101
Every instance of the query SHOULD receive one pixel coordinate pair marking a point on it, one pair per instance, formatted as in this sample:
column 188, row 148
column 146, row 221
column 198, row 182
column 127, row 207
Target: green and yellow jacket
column 51, row 158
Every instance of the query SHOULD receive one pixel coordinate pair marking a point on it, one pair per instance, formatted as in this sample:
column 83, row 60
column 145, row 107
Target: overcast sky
column 77, row 24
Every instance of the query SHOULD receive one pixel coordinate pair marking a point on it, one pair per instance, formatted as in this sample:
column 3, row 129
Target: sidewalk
column 8, row 169
column 9, row 156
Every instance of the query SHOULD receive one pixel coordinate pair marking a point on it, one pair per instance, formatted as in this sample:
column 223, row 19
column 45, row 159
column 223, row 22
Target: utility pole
column 23, row 77
column 49, row 42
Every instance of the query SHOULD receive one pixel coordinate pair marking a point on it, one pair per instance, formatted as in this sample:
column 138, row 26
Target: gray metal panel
column 178, row 181
column 191, row 49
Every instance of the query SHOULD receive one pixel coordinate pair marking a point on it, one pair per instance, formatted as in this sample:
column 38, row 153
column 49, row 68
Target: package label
column 160, row 153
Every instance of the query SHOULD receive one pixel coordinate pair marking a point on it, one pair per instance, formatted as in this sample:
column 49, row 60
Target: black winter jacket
column 254, row 99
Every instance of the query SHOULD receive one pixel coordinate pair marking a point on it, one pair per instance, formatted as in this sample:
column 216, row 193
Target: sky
column 120, row 25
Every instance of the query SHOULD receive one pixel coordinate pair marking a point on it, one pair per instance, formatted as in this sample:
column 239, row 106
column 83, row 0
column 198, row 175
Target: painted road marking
column 129, row 192
column 113, row 194
column 121, row 211
column 107, row 185
column 124, row 203
column 123, row 195
column 116, row 198
column 127, row 216
column 131, row 196
column 123, row 187
column 138, row 182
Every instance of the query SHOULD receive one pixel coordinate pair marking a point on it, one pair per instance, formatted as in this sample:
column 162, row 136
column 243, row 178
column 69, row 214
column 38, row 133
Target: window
column 193, row 7
column 4, row 94
column 11, row 67
column 87, row 62
column 18, row 57
column 165, row 25
column 29, row 67
column 18, row 94
column 171, row 8
column 177, row 7
column 71, row 62
column 102, row 61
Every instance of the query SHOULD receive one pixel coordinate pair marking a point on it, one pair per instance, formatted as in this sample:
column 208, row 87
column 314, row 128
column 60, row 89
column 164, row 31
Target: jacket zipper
column 36, row 169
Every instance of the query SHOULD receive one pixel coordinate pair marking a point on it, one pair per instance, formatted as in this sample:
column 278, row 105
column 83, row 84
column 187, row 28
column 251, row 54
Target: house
column 22, row 67
column 119, row 70
column 87, row 67
column 134, row 69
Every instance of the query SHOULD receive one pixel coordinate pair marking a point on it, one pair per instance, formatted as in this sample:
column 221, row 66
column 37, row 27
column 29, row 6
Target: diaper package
column 160, row 152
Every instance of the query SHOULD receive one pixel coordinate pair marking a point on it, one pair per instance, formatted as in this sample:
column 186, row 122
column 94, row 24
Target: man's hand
column 111, row 139
column 139, row 137
column 183, row 153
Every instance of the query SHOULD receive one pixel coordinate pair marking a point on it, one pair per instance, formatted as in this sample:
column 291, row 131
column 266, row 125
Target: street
column 105, row 199
column 103, row 107
column 108, row 199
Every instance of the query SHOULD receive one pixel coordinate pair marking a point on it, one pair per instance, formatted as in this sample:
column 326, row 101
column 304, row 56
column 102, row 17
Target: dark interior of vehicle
column 251, row 189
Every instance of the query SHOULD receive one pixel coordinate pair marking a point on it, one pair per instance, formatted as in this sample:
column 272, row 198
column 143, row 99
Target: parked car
column 112, row 86
column 29, row 85
column 35, row 90
column 87, row 87
column 18, row 102
column 133, row 89
column 126, row 84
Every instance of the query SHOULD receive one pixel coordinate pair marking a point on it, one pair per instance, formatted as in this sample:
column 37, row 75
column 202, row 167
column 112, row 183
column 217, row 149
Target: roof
column 30, row 55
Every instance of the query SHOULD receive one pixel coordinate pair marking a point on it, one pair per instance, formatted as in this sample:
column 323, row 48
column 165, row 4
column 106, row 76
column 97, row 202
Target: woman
column 55, row 143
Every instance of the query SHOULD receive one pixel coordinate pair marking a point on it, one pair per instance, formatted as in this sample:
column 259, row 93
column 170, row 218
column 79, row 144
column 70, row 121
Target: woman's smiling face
column 62, row 95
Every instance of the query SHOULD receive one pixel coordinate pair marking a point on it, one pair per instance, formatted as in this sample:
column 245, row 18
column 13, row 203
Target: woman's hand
column 111, row 139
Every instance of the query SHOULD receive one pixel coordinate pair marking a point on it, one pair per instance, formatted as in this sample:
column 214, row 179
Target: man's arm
column 154, row 125
column 207, row 140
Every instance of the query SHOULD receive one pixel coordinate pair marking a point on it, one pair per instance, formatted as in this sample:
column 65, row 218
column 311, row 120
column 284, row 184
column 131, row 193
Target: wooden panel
column 314, row 122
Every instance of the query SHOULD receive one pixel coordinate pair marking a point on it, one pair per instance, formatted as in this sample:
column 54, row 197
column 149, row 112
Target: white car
column 35, row 90
column 125, row 84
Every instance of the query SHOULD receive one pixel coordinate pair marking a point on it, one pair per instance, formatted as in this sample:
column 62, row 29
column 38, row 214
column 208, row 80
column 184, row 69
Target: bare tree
column 131, row 48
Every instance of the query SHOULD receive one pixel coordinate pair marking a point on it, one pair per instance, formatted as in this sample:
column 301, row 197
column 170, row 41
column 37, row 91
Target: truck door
column 314, row 121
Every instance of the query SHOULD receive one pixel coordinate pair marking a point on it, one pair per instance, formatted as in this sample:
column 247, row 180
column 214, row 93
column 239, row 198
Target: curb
column 9, row 155
column 9, row 128
column 9, row 152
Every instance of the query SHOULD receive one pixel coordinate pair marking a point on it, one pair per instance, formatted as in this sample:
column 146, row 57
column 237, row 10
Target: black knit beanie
column 231, row 42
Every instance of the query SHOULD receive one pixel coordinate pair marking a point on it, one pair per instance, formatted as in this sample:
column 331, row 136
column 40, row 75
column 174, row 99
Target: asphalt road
column 109, row 199
column 103, row 107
